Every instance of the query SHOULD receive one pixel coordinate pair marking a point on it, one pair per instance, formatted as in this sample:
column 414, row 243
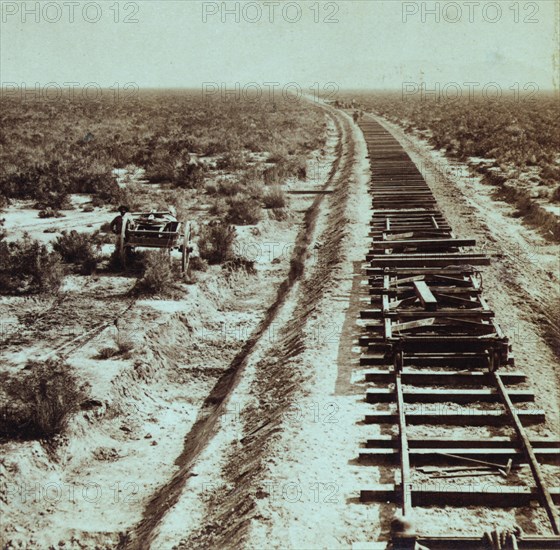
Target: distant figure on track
column 116, row 224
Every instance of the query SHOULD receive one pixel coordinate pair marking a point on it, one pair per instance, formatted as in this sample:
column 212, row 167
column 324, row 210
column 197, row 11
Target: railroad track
column 429, row 338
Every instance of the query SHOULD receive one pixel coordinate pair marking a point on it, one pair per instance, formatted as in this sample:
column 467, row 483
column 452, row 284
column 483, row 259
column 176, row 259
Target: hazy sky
column 353, row 43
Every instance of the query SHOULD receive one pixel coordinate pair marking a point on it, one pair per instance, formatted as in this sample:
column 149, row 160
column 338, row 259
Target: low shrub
column 216, row 242
column 255, row 190
column 243, row 210
column 253, row 175
column 78, row 248
column 107, row 353
column 39, row 401
column 228, row 187
column 211, row 187
column 239, row 263
column 550, row 173
column 27, row 267
column 122, row 349
column 159, row 171
column 231, row 161
column 274, row 197
column 158, row 276
column 54, row 201
column 278, row 214
column 296, row 166
column 50, row 213
column 189, row 176
column 219, row 208
column 197, row 263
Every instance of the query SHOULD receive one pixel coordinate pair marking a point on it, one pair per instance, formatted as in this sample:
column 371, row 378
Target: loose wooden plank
column 425, row 260
column 457, row 313
column 406, row 501
column 423, row 292
column 309, row 191
column 408, row 325
column 403, row 281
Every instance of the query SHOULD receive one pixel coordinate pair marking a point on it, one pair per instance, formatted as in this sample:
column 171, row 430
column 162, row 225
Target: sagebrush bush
column 219, row 208
column 159, row 171
column 228, row 187
column 50, row 213
column 198, row 264
column 189, row 176
column 27, row 267
column 158, row 276
column 78, row 248
column 274, row 197
column 243, row 210
column 216, row 242
column 39, row 401
column 255, row 190
column 234, row 160
column 551, row 173
column 122, row 348
column 239, row 263
column 253, row 175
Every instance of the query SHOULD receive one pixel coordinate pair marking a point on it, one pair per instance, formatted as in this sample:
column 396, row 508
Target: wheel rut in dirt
column 214, row 406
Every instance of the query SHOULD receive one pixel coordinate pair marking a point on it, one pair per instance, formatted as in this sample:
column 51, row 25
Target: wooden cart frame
column 171, row 235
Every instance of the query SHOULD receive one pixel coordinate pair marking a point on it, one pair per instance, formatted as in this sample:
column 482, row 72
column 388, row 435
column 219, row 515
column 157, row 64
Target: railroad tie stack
column 430, row 337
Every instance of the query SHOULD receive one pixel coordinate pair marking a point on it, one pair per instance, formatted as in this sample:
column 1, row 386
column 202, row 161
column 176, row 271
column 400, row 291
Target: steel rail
column 427, row 311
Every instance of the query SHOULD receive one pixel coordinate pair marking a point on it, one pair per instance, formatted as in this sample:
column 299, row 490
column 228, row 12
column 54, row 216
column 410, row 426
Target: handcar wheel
column 122, row 238
column 186, row 249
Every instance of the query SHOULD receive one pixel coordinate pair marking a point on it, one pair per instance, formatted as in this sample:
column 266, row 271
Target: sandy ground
column 284, row 466
column 89, row 489
column 20, row 217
